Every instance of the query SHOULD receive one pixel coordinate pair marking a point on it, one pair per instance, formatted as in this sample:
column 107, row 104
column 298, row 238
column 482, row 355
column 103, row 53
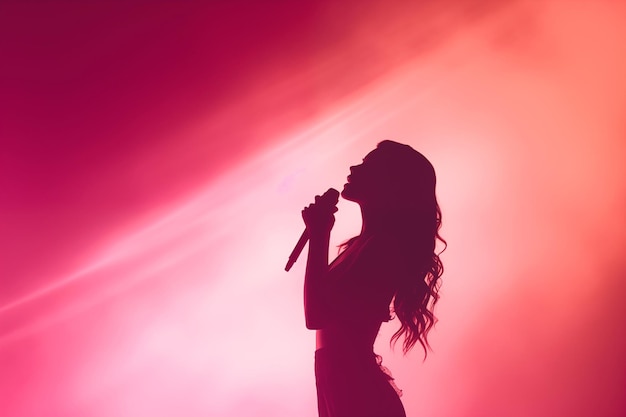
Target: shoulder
column 377, row 249
column 378, row 258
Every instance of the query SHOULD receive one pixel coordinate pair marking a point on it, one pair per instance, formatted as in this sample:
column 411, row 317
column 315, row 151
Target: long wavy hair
column 413, row 220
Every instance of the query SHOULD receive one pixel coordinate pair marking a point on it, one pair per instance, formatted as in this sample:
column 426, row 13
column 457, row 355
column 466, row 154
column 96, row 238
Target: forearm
column 316, row 281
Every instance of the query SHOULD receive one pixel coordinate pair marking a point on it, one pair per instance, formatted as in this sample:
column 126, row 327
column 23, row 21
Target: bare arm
column 319, row 220
column 316, row 281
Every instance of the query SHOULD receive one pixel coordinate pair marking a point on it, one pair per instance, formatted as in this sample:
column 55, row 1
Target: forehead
column 391, row 160
column 373, row 156
column 379, row 159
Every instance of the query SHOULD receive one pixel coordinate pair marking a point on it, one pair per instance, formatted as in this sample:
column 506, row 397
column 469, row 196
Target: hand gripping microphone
column 330, row 198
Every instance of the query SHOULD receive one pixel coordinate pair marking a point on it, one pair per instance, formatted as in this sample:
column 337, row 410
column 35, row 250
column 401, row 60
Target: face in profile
column 367, row 181
column 392, row 176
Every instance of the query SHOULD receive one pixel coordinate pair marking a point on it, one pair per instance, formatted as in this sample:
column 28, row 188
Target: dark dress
column 350, row 380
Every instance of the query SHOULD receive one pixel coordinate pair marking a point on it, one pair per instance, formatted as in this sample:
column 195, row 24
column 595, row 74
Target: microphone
column 330, row 198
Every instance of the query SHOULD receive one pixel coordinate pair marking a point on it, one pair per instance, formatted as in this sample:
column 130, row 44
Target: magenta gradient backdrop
column 155, row 157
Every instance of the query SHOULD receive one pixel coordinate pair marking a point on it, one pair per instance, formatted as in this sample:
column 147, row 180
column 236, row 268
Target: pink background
column 155, row 156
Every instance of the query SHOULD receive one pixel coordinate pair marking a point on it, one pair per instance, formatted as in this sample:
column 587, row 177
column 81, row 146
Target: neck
column 377, row 220
column 373, row 220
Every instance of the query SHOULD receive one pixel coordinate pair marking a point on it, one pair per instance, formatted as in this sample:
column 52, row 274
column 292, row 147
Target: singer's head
column 392, row 178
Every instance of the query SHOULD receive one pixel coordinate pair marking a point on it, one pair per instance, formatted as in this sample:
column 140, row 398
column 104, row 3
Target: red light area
column 153, row 177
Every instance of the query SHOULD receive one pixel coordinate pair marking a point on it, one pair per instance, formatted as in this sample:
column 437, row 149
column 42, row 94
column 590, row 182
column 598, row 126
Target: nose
column 353, row 168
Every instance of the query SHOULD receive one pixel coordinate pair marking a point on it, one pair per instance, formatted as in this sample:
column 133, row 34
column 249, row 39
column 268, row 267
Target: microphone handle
column 297, row 250
column 330, row 197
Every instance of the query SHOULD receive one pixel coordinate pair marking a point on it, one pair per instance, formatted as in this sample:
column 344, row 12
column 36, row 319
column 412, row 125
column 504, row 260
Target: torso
column 359, row 331
column 354, row 337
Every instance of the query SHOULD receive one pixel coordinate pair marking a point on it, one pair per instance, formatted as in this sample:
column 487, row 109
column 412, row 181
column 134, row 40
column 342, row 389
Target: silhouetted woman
column 393, row 258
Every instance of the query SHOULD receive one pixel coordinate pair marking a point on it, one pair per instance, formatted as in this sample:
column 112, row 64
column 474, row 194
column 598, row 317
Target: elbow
column 314, row 321
column 313, row 324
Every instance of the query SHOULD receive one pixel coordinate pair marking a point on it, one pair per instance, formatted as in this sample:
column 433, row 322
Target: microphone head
column 330, row 197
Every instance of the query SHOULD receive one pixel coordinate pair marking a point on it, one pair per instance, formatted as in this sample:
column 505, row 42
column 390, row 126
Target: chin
column 346, row 194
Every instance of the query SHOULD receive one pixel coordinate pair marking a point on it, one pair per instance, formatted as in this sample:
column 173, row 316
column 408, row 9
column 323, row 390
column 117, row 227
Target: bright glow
column 186, row 310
